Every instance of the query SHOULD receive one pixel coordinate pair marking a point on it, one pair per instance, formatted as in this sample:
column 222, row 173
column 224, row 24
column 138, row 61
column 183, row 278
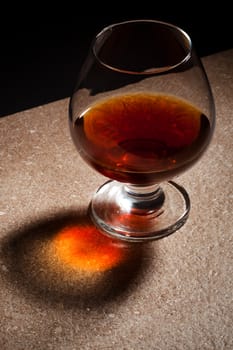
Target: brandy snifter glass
column 142, row 113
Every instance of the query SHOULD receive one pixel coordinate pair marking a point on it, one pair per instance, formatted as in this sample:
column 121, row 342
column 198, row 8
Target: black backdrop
column 42, row 51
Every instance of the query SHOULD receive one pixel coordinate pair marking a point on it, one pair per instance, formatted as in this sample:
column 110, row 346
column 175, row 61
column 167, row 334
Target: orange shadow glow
column 85, row 248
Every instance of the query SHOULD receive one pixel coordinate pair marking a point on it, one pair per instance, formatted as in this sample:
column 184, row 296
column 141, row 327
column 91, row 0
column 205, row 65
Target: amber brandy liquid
column 141, row 138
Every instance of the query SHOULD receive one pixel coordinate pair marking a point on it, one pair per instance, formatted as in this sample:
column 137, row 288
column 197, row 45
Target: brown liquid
column 141, row 138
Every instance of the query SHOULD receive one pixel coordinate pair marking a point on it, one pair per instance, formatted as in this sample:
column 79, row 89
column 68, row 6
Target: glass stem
column 145, row 199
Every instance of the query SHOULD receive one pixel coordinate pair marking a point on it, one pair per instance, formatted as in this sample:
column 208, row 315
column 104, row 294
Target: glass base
column 139, row 213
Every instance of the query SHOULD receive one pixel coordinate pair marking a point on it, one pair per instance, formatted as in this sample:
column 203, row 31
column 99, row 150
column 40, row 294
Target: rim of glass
column 152, row 71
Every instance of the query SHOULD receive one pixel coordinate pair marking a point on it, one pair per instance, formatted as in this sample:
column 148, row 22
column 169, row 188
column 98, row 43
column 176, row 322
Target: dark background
column 42, row 51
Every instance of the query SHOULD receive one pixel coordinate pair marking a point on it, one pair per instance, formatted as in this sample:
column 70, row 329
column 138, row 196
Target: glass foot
column 139, row 213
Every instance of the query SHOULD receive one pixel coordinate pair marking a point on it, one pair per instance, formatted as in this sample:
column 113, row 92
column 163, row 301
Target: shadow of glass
column 65, row 259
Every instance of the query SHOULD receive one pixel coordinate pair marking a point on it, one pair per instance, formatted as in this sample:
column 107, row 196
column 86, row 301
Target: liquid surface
column 141, row 138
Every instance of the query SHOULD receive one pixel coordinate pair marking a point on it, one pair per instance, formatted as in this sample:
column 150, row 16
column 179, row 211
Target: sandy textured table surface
column 64, row 286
